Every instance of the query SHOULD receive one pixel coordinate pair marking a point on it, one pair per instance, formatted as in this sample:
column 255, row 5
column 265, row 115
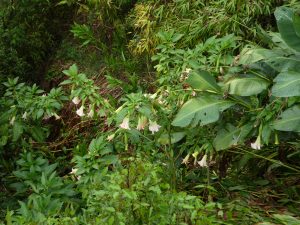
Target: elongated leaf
column 38, row 133
column 17, row 130
column 296, row 20
column 227, row 137
column 282, row 63
column 287, row 84
column 286, row 219
column 290, row 120
column 203, row 81
column 247, row 86
column 284, row 17
column 175, row 137
column 251, row 54
column 204, row 110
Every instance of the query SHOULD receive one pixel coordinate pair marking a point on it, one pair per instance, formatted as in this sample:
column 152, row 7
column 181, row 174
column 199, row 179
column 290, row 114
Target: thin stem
column 268, row 159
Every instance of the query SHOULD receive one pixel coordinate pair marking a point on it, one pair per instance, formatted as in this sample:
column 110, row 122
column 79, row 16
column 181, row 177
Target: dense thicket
column 29, row 33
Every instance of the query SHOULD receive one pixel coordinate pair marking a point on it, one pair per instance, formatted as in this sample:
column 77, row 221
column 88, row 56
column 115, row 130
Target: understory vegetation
column 150, row 112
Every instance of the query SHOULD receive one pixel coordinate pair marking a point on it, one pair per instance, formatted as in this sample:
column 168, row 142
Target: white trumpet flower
column 257, row 144
column 125, row 124
column 24, row 116
column 154, row 127
column 80, row 112
column 110, row 137
column 203, row 162
column 142, row 122
column 186, row 159
column 57, row 117
column 76, row 100
column 91, row 113
column 12, row 121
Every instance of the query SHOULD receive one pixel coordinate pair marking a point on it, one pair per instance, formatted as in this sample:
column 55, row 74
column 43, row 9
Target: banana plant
column 262, row 100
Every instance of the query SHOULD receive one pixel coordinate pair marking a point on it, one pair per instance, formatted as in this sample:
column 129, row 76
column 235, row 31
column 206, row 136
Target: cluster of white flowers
column 80, row 111
column 142, row 123
column 201, row 163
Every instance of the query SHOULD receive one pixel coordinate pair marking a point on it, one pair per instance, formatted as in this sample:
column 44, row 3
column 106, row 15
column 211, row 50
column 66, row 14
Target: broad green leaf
column 282, row 63
column 204, row 110
column 3, row 140
column 175, row 137
column 177, row 37
column 290, row 120
column 287, row 84
column 296, row 20
column 227, row 137
column 203, row 81
column 247, row 86
column 39, row 113
column 284, row 17
column 4, row 117
column 65, row 82
column 251, row 54
column 17, row 131
column 38, row 133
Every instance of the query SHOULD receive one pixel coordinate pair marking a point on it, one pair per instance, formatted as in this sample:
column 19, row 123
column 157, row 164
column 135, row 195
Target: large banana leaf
column 227, row 137
column 203, row 81
column 247, row 85
column 287, row 84
column 251, row 54
column 204, row 110
column 296, row 20
column 283, row 63
column 287, row 27
column 290, row 120
column 175, row 137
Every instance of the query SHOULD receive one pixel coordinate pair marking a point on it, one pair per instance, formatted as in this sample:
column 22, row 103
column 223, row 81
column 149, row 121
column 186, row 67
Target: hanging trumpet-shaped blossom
column 12, row 121
column 125, row 124
column 186, row 159
column 203, row 161
column 91, row 112
column 24, row 116
column 57, row 117
column 76, row 100
column 110, row 137
column 256, row 144
column 142, row 122
column 80, row 112
column 154, row 127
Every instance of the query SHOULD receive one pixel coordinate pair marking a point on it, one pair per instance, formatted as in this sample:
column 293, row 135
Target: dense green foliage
column 29, row 32
column 166, row 112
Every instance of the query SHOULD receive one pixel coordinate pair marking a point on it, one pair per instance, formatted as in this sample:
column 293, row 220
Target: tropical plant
column 265, row 97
